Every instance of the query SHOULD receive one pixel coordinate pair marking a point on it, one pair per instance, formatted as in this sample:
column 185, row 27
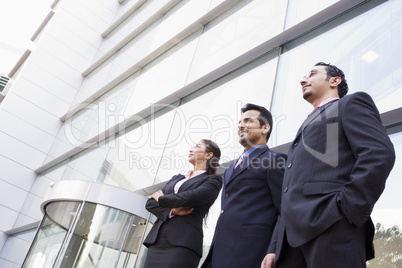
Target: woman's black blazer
column 199, row 193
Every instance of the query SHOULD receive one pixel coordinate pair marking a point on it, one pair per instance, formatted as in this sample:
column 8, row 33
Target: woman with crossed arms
column 175, row 240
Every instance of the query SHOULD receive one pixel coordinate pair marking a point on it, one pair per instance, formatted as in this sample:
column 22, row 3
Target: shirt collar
column 196, row 173
column 328, row 101
column 250, row 151
column 323, row 103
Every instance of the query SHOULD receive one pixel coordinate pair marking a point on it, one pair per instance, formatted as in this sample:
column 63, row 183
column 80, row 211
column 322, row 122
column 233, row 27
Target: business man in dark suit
column 336, row 171
column 250, row 196
column 175, row 240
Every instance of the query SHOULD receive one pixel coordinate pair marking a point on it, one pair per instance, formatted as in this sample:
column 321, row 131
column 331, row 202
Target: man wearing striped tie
column 250, row 197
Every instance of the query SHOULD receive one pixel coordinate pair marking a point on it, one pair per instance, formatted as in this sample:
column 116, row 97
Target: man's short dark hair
column 333, row 71
column 264, row 118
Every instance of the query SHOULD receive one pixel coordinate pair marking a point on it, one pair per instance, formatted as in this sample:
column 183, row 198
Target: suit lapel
column 312, row 118
column 172, row 183
column 229, row 172
column 246, row 162
column 186, row 185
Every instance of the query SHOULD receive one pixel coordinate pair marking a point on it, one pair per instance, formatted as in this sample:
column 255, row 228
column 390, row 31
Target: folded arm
column 205, row 193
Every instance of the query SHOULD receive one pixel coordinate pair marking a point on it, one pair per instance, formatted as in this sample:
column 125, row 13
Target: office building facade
column 105, row 107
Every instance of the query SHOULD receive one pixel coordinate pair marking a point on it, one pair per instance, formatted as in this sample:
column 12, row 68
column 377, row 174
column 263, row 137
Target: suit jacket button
column 285, row 189
column 222, row 211
column 295, row 144
column 290, row 165
column 226, row 195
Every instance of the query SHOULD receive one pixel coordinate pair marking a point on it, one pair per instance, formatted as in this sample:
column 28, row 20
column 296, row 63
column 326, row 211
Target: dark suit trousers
column 341, row 246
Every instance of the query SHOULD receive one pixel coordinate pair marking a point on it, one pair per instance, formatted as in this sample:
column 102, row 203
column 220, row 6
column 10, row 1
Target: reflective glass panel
column 131, row 247
column 242, row 28
column 363, row 43
column 62, row 213
column 98, row 237
column 87, row 164
column 133, row 159
column 90, row 235
column 299, row 10
column 387, row 216
column 163, row 76
column 129, row 161
column 132, row 23
column 185, row 13
column 46, row 245
column 51, row 234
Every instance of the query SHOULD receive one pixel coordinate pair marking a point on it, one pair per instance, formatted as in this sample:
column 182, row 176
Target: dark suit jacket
column 250, row 206
column 199, row 193
column 337, row 167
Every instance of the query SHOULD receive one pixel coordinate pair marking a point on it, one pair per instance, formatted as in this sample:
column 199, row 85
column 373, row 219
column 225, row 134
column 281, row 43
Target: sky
column 19, row 20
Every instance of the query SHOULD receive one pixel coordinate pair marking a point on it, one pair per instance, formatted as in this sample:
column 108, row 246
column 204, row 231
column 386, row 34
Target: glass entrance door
column 82, row 234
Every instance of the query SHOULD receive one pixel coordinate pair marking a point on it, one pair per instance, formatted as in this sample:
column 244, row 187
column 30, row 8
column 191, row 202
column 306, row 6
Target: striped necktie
column 241, row 158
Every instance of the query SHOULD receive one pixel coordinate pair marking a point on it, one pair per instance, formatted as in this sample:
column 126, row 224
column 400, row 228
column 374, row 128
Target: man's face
column 251, row 133
column 315, row 84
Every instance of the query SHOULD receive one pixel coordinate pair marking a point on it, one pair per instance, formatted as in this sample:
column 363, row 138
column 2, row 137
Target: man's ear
column 266, row 128
column 335, row 81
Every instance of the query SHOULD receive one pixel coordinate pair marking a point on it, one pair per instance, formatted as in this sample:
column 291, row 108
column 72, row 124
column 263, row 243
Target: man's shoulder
column 213, row 176
column 359, row 95
column 357, row 101
column 273, row 154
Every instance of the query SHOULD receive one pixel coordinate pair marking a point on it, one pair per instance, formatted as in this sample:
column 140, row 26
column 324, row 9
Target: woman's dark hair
column 264, row 118
column 333, row 71
column 213, row 162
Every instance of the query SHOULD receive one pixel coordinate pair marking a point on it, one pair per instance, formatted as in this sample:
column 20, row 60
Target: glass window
column 130, row 24
column 87, row 164
column 51, row 234
column 387, row 216
column 170, row 68
column 129, row 159
column 130, row 249
column 214, row 111
column 75, row 234
column 46, row 245
column 117, row 64
column 363, row 43
column 103, row 113
column 63, row 212
column 164, row 76
column 245, row 26
column 134, row 157
column 143, row 249
column 178, row 18
column 299, row 10
column 215, row 3
column 94, row 243
column 129, row 55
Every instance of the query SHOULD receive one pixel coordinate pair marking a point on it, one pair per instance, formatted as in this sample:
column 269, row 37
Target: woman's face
column 198, row 154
